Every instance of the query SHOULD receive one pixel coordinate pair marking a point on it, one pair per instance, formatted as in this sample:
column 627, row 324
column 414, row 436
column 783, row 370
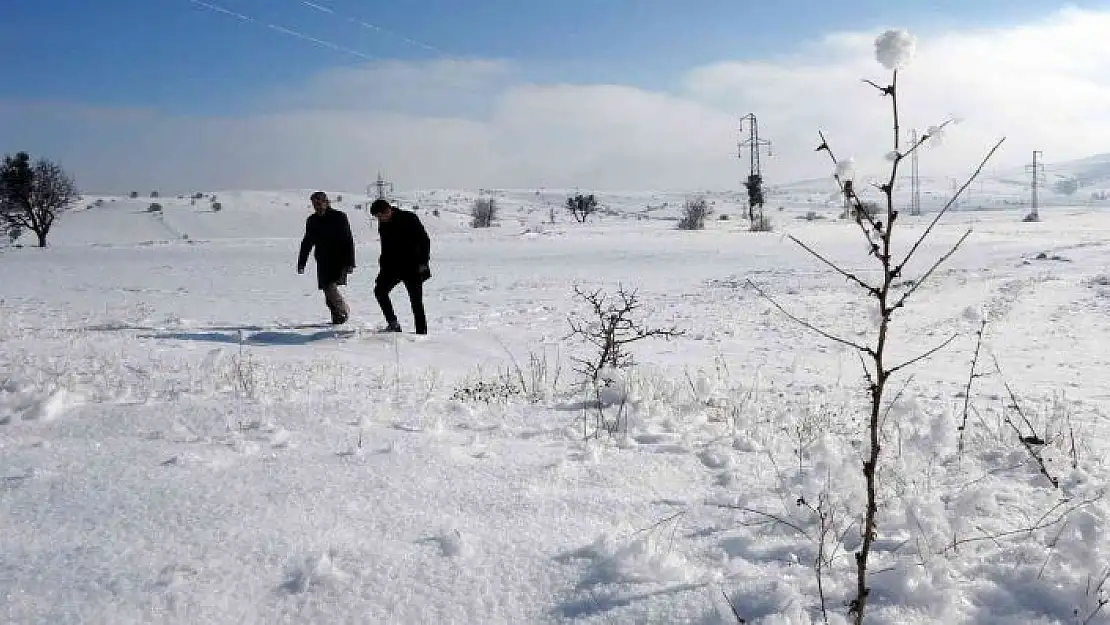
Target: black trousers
column 415, row 286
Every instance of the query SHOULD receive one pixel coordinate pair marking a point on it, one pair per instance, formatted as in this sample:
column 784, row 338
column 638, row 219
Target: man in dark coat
column 328, row 231
column 406, row 250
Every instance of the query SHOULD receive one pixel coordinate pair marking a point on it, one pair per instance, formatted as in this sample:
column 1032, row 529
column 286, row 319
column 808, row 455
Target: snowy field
column 179, row 444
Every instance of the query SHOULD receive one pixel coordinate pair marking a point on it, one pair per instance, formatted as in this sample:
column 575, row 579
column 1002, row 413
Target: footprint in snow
column 451, row 544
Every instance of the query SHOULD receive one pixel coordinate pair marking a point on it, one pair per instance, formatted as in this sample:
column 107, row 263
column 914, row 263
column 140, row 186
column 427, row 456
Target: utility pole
column 1037, row 170
column 915, row 178
column 754, row 184
column 380, row 185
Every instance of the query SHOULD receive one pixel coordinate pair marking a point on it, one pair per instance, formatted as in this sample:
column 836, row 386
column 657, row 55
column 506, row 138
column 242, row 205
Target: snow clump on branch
column 894, row 49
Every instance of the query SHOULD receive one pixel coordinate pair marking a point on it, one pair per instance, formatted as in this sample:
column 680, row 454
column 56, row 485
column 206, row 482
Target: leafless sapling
column 611, row 327
column 32, row 195
column 893, row 49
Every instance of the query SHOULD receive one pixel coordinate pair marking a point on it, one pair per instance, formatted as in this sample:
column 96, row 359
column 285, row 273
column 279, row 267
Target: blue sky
column 178, row 56
column 602, row 94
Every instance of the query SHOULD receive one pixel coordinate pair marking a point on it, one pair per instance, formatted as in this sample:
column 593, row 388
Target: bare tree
column 611, row 327
column 33, row 195
column 582, row 206
column 891, row 293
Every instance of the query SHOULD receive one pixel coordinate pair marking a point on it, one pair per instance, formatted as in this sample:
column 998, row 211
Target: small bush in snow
column 217, row 207
column 762, row 223
column 155, row 207
column 582, row 206
column 483, row 212
column 501, row 388
column 1067, row 186
column 134, row 194
column 609, row 327
column 153, row 194
column 694, row 213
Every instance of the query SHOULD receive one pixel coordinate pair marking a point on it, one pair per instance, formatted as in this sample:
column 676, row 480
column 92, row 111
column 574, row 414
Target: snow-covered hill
column 180, row 442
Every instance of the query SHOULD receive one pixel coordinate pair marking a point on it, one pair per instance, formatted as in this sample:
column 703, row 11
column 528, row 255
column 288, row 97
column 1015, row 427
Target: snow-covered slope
column 180, row 444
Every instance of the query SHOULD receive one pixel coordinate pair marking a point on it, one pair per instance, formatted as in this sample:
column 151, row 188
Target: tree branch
column 873, row 291
column 1026, row 441
column 918, row 359
column 810, row 326
column 922, row 140
column 916, row 285
column 970, row 379
column 767, row 515
column 948, row 205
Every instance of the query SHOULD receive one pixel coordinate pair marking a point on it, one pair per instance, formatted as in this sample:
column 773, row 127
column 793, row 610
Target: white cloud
column 474, row 123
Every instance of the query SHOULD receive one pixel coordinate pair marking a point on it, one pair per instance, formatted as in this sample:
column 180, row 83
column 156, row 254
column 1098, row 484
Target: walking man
column 328, row 231
column 406, row 250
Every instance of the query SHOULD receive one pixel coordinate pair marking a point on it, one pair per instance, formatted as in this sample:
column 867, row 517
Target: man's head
column 319, row 201
column 382, row 210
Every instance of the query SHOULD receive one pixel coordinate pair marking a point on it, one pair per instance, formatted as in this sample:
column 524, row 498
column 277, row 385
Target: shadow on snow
column 258, row 338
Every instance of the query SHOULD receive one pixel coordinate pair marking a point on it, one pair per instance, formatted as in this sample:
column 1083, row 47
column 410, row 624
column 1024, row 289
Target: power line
column 325, row 9
column 284, row 30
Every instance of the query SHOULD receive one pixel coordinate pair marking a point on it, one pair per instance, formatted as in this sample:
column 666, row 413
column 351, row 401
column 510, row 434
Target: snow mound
column 27, row 403
column 312, row 571
column 649, row 558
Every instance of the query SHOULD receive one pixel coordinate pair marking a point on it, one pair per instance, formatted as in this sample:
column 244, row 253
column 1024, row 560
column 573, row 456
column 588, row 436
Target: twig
column 1026, row 441
column 732, row 606
column 917, row 283
column 970, row 379
column 873, row 291
column 1040, row 525
column 767, row 515
column 948, row 205
column 810, row 326
column 918, row 359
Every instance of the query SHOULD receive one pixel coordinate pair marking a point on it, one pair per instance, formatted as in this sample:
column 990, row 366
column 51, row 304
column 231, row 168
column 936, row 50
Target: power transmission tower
column 1037, row 170
column 754, row 184
column 915, row 178
column 379, row 187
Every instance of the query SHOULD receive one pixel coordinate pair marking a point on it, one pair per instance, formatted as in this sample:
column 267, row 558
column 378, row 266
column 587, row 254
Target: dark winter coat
column 406, row 248
column 330, row 235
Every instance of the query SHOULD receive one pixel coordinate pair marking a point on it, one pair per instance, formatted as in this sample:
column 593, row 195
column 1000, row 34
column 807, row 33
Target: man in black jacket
column 406, row 250
column 328, row 231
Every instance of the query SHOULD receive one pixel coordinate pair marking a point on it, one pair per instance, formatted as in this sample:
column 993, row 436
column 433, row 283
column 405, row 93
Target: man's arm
column 348, row 243
column 306, row 247
column 423, row 243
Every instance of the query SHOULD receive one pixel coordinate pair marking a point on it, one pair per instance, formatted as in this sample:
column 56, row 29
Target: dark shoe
column 393, row 327
column 338, row 320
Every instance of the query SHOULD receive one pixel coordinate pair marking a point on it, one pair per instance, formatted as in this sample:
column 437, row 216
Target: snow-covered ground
column 179, row 444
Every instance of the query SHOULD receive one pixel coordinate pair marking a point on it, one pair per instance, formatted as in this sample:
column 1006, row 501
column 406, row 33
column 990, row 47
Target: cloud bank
column 479, row 123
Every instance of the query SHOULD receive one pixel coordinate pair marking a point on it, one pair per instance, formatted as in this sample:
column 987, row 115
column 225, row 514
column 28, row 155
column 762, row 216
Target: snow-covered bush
column 694, row 213
column 483, row 212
